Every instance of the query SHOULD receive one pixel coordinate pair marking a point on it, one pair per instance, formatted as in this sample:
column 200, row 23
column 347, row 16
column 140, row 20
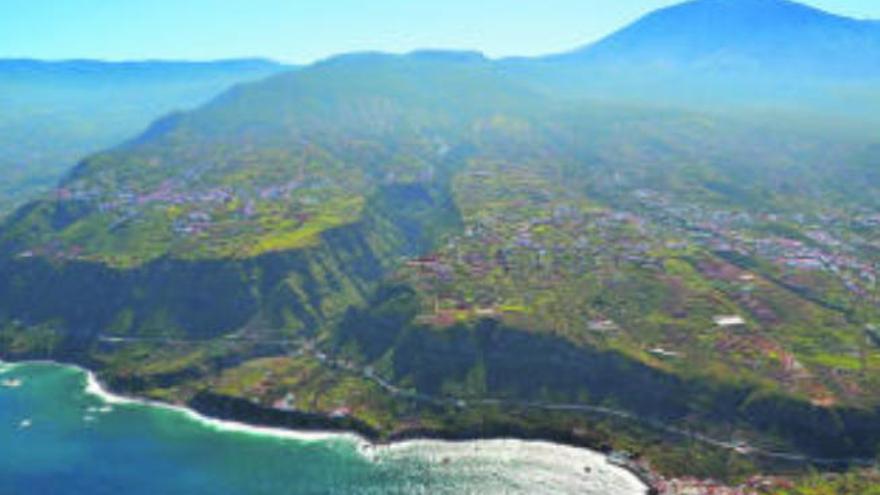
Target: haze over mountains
column 54, row 113
column 707, row 54
column 455, row 237
column 776, row 38
column 732, row 54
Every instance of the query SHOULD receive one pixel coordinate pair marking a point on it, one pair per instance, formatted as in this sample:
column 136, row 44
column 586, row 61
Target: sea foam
column 524, row 463
column 7, row 367
column 94, row 388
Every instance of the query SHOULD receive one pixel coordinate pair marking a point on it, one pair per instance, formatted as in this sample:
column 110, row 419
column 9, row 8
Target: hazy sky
column 304, row 30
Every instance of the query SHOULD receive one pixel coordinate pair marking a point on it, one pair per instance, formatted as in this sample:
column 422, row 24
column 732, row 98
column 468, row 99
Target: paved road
column 462, row 402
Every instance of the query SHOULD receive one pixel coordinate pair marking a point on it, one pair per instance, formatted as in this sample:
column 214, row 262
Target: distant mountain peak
column 760, row 8
column 751, row 3
column 742, row 35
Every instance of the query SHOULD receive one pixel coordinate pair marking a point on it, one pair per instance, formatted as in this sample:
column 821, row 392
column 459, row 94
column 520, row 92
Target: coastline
column 95, row 388
column 366, row 446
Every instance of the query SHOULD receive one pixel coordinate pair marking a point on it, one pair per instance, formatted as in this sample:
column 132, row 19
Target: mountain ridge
column 74, row 63
column 746, row 38
column 427, row 238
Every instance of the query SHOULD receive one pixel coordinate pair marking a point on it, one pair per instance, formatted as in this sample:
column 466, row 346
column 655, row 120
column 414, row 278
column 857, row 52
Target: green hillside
column 52, row 114
column 422, row 244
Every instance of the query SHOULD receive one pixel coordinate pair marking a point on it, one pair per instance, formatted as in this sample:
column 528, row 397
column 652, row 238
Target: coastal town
column 267, row 383
column 694, row 290
column 844, row 245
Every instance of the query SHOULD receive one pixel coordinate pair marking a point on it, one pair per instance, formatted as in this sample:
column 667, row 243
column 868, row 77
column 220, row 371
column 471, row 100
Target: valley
column 438, row 244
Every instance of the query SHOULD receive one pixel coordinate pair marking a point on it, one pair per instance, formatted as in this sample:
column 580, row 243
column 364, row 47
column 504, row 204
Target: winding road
column 367, row 372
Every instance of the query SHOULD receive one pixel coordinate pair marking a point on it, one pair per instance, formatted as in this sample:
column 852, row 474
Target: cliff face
column 278, row 210
column 524, row 370
column 297, row 290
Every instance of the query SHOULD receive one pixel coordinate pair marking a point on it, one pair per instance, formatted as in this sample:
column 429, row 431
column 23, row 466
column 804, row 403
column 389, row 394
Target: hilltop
column 775, row 56
column 764, row 38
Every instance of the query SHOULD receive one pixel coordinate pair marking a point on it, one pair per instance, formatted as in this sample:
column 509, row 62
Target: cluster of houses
column 193, row 209
column 660, row 485
column 755, row 485
column 53, row 250
column 531, row 243
column 823, row 246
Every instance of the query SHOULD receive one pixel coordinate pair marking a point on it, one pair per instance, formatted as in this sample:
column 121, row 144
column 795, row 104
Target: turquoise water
column 58, row 438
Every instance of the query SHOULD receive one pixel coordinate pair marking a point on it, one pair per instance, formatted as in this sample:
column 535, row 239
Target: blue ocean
column 60, row 436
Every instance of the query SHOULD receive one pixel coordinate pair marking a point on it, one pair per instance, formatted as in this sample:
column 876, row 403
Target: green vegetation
column 53, row 115
column 420, row 244
column 862, row 483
